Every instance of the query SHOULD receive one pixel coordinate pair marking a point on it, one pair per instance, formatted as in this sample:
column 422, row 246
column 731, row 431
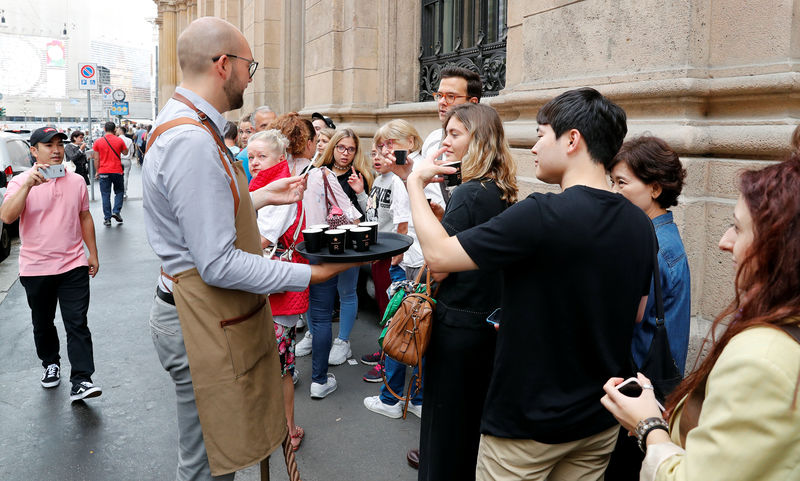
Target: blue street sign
column 119, row 108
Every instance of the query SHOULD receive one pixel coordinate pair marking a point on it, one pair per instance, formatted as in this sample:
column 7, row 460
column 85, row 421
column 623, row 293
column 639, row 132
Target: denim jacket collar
column 663, row 219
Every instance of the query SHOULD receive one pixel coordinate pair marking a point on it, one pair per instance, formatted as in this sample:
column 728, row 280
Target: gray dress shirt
column 188, row 209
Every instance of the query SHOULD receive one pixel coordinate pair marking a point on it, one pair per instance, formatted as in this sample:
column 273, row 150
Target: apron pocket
column 248, row 338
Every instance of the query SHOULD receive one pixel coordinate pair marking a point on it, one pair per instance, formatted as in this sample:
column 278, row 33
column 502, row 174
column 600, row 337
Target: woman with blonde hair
column 460, row 355
column 323, row 137
column 339, row 160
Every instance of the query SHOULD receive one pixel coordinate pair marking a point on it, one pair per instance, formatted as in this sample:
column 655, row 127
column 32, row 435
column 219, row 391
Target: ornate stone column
column 167, row 50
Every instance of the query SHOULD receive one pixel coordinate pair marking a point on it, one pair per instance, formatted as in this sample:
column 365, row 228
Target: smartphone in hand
column 631, row 388
column 53, row 171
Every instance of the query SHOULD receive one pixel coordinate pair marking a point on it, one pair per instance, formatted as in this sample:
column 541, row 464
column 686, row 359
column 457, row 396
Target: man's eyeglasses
column 448, row 97
column 342, row 149
column 253, row 64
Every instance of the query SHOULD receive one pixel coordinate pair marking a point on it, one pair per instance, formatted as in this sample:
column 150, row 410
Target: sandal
column 298, row 435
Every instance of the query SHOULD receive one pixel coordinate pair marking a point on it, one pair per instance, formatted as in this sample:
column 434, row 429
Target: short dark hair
column 75, row 135
column 601, row 122
column 654, row 162
column 110, row 127
column 231, row 130
column 474, row 83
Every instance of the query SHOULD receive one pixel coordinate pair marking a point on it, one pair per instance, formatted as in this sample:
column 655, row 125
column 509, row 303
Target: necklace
column 341, row 170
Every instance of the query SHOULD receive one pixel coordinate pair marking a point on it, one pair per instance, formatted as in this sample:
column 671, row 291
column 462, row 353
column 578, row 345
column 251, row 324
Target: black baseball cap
column 327, row 120
column 45, row 134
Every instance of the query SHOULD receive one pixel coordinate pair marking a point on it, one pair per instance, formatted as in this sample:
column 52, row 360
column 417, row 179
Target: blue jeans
column 106, row 181
column 321, row 298
column 396, row 378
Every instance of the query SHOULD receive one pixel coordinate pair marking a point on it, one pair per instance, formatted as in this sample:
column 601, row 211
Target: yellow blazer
column 747, row 428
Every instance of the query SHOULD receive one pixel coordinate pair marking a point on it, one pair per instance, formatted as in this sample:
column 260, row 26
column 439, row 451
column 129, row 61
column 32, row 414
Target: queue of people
column 545, row 305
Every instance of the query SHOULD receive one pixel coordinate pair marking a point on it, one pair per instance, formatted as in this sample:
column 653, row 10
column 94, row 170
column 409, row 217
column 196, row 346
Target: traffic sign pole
column 89, row 135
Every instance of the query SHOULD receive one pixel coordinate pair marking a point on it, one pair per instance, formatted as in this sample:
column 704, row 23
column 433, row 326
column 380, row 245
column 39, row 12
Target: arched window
column 467, row 33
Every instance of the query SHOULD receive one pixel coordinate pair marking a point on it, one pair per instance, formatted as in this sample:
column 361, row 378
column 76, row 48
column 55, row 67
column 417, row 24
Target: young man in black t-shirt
column 577, row 268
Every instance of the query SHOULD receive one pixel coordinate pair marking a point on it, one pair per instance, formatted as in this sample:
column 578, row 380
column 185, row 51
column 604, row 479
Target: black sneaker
column 374, row 375
column 107, row 222
column 83, row 390
column 371, row 359
column 51, row 376
column 117, row 218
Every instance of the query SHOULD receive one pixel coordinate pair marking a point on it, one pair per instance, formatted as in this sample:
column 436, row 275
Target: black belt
column 165, row 296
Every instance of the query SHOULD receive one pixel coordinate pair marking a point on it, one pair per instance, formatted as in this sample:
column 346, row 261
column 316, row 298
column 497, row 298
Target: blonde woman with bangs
column 343, row 158
column 460, row 355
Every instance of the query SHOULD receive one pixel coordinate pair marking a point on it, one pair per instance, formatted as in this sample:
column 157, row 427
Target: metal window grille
column 466, row 33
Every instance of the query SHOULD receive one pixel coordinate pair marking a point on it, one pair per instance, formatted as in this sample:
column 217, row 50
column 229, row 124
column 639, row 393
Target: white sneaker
column 319, row 391
column 374, row 404
column 340, row 351
column 303, row 348
column 415, row 409
column 295, row 376
column 301, row 322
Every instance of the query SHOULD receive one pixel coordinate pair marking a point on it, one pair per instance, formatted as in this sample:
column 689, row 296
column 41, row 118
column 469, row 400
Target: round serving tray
column 389, row 245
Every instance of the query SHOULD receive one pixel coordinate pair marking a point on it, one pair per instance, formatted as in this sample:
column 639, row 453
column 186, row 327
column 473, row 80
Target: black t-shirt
column 575, row 267
column 465, row 299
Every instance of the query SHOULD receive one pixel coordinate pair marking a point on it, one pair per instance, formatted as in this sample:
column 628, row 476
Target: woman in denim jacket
column 649, row 174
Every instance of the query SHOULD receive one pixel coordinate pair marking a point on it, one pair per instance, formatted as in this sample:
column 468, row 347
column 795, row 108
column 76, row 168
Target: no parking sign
column 87, row 76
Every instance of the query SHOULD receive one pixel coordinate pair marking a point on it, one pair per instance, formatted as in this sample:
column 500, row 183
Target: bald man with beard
column 210, row 322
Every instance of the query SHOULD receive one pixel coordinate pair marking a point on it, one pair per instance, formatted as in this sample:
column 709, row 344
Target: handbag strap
column 427, row 278
column 112, row 148
column 657, row 280
column 329, row 201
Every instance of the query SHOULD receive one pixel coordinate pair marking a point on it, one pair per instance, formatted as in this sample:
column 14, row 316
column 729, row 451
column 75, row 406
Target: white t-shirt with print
column 388, row 203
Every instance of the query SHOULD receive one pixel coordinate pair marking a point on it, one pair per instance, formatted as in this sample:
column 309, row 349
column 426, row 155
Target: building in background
column 717, row 80
column 43, row 42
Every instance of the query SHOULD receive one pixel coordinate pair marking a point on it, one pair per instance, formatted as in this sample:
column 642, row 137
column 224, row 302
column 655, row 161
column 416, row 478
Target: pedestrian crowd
column 546, row 306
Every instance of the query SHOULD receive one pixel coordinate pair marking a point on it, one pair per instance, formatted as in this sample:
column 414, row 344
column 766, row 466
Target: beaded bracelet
column 644, row 428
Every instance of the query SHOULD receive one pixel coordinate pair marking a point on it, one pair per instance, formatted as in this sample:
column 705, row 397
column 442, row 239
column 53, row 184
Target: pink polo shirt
column 50, row 226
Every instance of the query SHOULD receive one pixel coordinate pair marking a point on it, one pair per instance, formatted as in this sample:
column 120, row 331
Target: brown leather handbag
column 409, row 332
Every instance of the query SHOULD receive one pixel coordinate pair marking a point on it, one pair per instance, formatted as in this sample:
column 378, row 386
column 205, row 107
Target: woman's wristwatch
column 645, row 427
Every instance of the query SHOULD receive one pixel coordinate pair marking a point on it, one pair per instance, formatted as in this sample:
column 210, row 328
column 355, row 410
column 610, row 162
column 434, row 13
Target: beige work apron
column 233, row 357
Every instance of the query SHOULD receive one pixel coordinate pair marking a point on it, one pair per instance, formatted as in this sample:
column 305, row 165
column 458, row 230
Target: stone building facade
column 719, row 81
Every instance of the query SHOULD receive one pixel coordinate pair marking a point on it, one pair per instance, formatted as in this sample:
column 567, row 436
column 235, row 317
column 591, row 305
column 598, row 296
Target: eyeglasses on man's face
column 448, row 97
column 252, row 67
column 343, row 148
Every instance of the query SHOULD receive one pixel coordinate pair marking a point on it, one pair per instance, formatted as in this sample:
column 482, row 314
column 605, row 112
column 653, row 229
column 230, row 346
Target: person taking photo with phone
column 460, row 356
column 53, row 267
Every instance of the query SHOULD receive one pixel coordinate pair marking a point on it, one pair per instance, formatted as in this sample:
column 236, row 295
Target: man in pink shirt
column 54, row 224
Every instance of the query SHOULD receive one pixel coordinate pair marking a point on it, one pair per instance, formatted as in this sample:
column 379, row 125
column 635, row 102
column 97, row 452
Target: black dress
column 459, row 358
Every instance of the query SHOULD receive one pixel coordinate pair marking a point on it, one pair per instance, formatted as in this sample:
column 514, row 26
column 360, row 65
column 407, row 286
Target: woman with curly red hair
column 736, row 416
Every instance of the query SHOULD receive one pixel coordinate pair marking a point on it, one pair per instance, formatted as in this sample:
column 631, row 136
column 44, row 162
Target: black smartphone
column 630, row 387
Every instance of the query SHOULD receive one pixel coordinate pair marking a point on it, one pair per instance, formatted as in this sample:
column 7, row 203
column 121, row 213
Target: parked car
column 15, row 158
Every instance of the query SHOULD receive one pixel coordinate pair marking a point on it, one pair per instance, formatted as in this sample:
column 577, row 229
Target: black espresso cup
column 361, row 238
column 373, row 239
column 322, row 227
column 335, row 238
column 314, row 239
column 348, row 239
column 400, row 157
column 452, row 180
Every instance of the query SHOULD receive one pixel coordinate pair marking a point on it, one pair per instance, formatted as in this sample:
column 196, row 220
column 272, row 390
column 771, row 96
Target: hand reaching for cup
column 355, row 181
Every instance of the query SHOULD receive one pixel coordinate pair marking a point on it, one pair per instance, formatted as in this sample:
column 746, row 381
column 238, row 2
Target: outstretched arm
column 442, row 252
